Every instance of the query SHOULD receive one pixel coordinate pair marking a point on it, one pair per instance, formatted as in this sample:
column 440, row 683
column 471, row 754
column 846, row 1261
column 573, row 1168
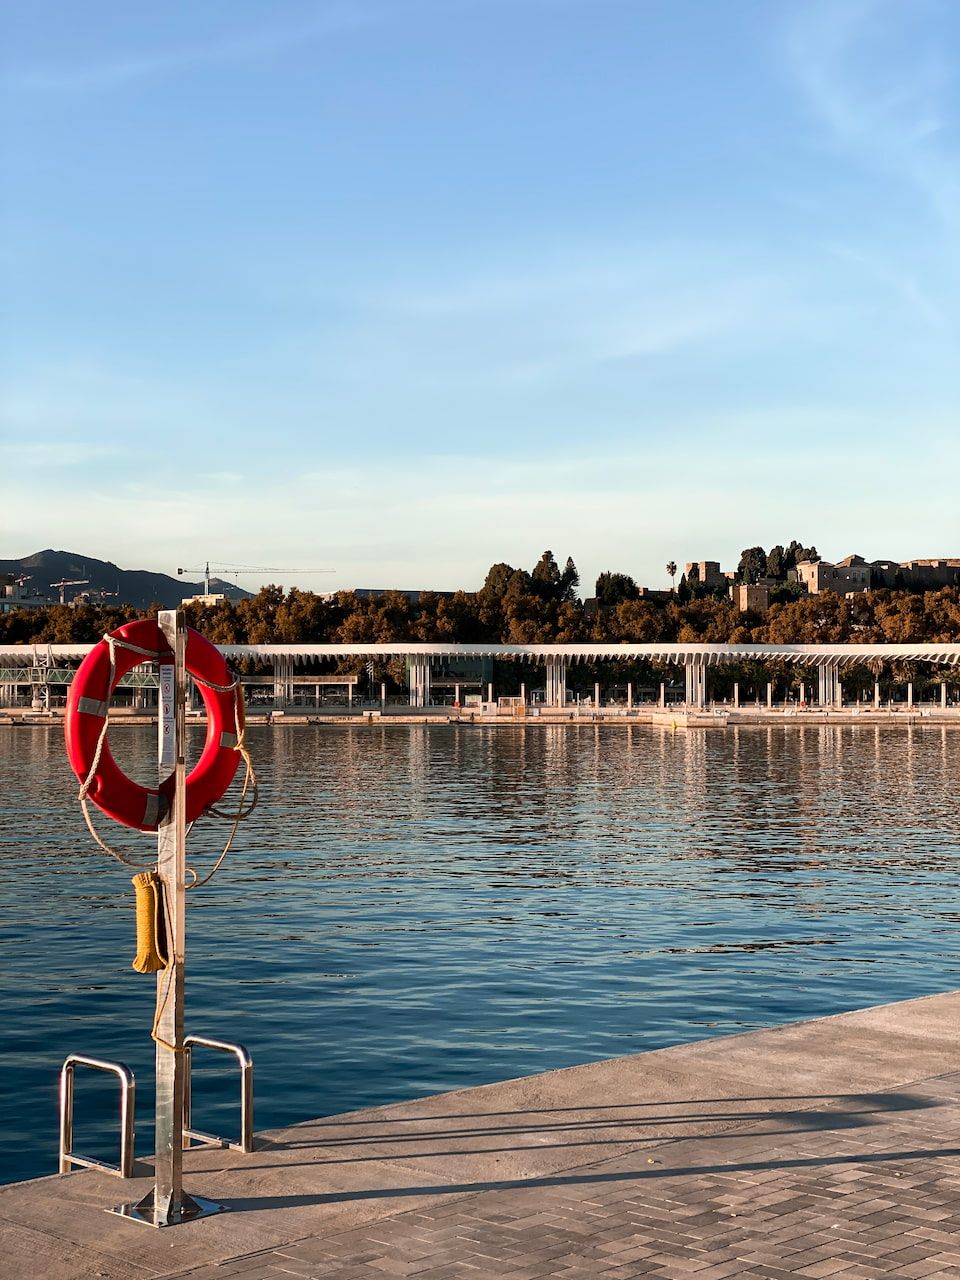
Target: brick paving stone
column 823, row 1204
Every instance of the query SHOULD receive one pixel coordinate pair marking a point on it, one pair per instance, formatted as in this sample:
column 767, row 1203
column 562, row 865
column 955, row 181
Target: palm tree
column 672, row 570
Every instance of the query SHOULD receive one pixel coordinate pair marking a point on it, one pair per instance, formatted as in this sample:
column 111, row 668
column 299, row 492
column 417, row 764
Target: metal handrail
column 245, row 1063
column 128, row 1100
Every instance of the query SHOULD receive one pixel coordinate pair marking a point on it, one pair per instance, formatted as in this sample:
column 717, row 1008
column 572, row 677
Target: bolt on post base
column 187, row 1209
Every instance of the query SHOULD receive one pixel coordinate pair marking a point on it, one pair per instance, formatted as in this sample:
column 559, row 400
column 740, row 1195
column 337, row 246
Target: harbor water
column 417, row 908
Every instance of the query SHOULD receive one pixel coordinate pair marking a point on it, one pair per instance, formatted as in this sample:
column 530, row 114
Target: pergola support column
column 282, row 681
column 555, row 693
column 827, row 685
column 419, row 680
column 695, row 672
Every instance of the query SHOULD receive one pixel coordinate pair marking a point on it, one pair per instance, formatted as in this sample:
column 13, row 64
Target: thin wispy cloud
column 904, row 286
column 877, row 80
column 39, row 456
column 259, row 42
column 546, row 323
column 599, row 252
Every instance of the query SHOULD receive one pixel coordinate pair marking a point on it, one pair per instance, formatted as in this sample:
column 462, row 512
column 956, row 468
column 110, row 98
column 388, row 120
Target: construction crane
column 64, row 583
column 237, row 569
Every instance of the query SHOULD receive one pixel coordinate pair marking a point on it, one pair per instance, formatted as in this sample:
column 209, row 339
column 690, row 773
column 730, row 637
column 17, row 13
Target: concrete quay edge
column 362, row 1169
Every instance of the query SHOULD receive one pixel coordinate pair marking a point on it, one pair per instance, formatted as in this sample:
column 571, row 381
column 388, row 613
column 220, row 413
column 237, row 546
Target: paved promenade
column 824, row 1149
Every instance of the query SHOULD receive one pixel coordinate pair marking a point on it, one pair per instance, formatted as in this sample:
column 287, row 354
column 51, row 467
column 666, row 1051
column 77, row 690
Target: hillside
column 137, row 587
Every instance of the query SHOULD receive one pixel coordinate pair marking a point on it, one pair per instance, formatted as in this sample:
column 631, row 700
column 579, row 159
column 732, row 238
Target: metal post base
column 188, row 1210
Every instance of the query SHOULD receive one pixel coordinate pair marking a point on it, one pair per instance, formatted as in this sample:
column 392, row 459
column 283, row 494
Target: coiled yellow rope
column 152, row 951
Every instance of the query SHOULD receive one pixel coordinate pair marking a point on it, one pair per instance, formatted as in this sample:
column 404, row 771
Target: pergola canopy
column 806, row 655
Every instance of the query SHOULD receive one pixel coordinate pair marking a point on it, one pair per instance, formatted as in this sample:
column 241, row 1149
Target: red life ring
column 88, row 702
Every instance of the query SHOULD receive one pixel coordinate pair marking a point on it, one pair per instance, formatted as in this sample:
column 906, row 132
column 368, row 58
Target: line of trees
column 519, row 606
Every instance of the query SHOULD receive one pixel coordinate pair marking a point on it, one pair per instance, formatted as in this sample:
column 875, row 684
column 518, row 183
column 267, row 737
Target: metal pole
column 171, row 866
column 66, row 1114
column 168, row 1204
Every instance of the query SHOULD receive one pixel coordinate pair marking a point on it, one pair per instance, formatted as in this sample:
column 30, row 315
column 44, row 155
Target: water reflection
column 421, row 908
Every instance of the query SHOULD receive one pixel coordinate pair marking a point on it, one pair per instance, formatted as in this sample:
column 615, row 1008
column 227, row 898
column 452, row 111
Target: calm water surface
column 417, row 909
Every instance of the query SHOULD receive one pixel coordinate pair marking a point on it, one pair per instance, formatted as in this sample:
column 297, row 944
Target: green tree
column 490, row 598
column 569, row 581
column 611, row 588
column 753, row 564
column 546, row 578
column 796, row 553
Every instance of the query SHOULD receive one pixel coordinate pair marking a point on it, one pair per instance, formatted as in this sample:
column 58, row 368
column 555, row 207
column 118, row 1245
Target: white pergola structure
column 18, row 662
column 556, row 660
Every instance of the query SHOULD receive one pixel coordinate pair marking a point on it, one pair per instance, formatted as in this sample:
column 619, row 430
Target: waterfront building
column 15, row 594
column 924, row 575
column 707, row 573
column 752, row 596
column 206, row 601
column 852, row 574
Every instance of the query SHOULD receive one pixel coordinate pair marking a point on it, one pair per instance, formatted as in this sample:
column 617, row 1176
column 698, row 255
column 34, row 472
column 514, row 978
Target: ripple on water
column 414, row 909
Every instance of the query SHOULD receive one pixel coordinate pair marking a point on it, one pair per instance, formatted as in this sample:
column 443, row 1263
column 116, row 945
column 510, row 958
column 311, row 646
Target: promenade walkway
column 824, row 1149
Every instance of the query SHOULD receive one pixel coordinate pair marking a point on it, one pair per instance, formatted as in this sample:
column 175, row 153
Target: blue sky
column 407, row 287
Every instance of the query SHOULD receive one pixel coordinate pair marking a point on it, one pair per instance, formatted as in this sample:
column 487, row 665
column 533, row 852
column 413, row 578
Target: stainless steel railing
column 128, row 1087
column 245, row 1063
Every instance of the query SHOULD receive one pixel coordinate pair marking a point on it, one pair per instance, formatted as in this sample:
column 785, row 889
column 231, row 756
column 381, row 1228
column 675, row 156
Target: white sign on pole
column 167, row 739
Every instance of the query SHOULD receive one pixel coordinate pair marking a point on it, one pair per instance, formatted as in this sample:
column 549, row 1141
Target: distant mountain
column 137, row 587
